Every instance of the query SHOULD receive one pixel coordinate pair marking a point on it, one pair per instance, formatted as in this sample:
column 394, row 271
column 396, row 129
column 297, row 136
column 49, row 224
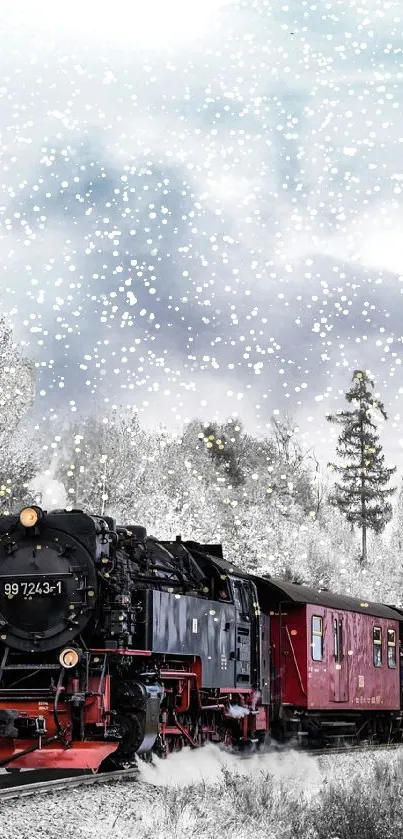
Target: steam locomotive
column 115, row 644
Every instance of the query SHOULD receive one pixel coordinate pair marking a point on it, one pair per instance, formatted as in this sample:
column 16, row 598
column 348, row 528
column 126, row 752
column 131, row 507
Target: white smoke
column 206, row 764
column 238, row 711
column 50, row 493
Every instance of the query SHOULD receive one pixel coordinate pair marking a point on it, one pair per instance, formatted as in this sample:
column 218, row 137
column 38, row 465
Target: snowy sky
column 201, row 206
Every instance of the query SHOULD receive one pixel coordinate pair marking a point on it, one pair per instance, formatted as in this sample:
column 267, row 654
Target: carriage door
column 339, row 666
column 245, row 632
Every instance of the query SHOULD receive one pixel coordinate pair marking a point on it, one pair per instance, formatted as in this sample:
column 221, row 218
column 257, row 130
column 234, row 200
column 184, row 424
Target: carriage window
column 317, row 638
column 340, row 639
column 335, row 640
column 377, row 645
column 391, row 648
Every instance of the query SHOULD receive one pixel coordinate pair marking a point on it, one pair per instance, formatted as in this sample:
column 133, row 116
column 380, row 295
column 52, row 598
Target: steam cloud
column 206, row 765
column 50, row 493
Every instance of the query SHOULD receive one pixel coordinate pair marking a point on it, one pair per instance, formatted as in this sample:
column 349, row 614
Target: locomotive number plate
column 33, row 588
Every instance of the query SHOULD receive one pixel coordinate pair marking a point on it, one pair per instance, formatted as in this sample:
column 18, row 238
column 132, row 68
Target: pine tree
column 362, row 496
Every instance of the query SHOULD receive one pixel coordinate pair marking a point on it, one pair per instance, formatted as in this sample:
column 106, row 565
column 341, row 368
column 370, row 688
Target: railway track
column 367, row 747
column 29, row 788
column 35, row 787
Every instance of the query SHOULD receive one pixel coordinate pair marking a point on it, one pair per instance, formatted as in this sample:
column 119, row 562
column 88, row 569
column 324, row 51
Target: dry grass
column 293, row 797
column 361, row 806
column 369, row 807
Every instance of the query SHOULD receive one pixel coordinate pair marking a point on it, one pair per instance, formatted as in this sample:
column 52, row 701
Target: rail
column 61, row 784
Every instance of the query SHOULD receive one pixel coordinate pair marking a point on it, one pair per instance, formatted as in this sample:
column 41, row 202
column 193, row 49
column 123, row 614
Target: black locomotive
column 113, row 643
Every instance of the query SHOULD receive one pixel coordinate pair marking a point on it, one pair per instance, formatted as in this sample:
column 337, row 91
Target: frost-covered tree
column 397, row 531
column 362, row 494
column 19, row 465
column 293, row 466
column 394, row 548
column 101, row 461
column 17, row 389
column 222, row 443
column 17, row 382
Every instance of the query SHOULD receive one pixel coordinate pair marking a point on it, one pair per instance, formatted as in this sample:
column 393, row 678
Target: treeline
column 267, row 500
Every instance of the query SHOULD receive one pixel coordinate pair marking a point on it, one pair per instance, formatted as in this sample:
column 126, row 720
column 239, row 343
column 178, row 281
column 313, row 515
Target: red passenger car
column 334, row 664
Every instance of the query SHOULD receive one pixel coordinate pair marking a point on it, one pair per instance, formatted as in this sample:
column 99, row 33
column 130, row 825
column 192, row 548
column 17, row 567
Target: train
column 116, row 645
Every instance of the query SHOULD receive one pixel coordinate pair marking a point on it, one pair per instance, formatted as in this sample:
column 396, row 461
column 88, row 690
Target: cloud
column 154, row 23
column 201, row 204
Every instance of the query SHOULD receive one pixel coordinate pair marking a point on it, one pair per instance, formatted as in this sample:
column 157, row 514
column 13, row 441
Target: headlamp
column 30, row 516
column 68, row 658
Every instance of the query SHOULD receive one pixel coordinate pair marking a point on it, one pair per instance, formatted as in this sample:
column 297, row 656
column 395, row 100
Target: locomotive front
column 54, row 692
column 48, row 580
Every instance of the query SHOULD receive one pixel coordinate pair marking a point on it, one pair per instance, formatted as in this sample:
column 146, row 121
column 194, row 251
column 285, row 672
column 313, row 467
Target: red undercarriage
column 87, row 755
column 54, row 748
